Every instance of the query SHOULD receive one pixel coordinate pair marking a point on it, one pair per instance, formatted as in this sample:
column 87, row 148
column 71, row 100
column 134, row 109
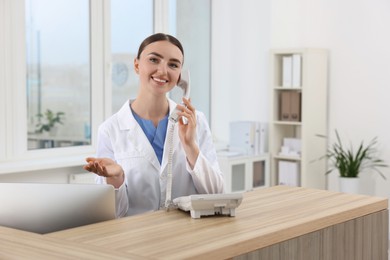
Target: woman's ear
column 136, row 65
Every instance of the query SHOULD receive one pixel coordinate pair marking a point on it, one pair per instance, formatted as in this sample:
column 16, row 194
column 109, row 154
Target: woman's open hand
column 106, row 167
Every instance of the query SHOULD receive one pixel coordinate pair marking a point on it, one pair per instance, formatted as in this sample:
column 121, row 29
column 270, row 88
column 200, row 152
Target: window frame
column 14, row 155
column 3, row 79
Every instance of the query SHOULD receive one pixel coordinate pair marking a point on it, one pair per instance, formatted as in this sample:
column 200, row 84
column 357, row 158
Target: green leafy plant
column 351, row 162
column 48, row 120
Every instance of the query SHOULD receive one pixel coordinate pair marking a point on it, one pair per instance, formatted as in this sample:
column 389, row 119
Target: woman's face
column 159, row 66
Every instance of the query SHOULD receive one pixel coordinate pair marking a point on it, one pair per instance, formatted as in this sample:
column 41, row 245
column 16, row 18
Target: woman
column 132, row 154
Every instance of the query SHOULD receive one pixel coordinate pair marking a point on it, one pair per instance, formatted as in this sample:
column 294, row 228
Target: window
column 58, row 84
column 68, row 56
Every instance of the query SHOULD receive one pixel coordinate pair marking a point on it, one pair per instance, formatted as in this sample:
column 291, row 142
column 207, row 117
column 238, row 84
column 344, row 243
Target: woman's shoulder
column 200, row 115
column 202, row 120
column 120, row 119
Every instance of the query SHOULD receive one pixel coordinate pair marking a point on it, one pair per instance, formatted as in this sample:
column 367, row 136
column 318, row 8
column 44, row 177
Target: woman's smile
column 160, row 81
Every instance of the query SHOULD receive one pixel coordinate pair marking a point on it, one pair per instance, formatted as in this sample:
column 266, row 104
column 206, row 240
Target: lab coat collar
column 124, row 114
column 128, row 123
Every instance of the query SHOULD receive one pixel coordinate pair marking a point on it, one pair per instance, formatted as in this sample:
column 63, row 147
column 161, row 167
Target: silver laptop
column 44, row 208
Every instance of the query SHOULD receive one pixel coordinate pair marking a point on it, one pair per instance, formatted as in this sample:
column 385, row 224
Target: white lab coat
column 122, row 139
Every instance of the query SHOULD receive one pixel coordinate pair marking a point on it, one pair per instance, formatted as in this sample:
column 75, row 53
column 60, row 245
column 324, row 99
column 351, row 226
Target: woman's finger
column 98, row 168
column 188, row 104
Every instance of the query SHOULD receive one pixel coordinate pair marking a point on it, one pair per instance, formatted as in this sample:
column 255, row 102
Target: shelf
column 286, row 157
column 308, row 78
column 288, row 89
column 287, row 123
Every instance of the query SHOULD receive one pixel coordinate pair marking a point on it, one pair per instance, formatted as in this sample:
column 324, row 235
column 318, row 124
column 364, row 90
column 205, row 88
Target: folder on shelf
column 296, row 70
column 287, row 71
column 242, row 137
column 248, row 137
column 285, row 106
column 261, row 145
column 290, row 106
column 288, row 173
column 295, row 106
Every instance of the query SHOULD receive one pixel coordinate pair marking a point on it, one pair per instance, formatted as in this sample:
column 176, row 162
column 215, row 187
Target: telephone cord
column 168, row 195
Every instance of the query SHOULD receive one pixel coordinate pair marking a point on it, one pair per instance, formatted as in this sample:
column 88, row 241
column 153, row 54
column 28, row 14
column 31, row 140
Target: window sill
column 42, row 164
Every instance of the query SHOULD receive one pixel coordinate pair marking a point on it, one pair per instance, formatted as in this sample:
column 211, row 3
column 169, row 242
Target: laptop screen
column 44, row 208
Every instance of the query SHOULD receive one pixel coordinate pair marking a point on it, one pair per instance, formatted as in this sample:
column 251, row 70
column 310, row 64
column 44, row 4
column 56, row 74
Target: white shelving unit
column 313, row 116
column 244, row 173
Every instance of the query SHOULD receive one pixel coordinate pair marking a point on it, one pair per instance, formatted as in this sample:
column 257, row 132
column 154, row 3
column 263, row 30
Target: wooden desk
column 277, row 223
column 271, row 223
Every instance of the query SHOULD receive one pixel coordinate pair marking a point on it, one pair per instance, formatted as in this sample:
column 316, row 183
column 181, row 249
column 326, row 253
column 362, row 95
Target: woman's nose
column 162, row 68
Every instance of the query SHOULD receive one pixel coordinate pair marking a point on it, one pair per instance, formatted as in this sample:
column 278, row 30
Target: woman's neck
column 151, row 108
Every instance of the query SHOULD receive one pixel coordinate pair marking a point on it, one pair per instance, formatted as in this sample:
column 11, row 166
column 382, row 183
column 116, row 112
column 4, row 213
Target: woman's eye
column 154, row 60
column 174, row 65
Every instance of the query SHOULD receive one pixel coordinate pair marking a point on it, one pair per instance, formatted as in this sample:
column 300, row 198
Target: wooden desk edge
column 27, row 245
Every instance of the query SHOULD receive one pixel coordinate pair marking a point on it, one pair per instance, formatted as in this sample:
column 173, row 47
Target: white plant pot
column 349, row 185
column 53, row 131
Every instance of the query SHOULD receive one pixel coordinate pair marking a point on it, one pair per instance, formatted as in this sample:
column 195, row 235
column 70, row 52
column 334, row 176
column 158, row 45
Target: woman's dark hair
column 159, row 37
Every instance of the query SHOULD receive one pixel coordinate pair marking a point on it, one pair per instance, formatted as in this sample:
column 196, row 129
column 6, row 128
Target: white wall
column 357, row 36
column 240, row 45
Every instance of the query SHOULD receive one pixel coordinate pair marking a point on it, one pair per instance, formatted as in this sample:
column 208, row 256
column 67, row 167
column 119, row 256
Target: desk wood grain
column 17, row 244
column 265, row 217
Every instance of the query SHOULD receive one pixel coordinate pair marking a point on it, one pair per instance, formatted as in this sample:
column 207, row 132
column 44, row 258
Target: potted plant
column 350, row 162
column 48, row 121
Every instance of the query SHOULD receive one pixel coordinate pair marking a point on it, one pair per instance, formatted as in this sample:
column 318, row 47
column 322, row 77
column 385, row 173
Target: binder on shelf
column 248, row 137
column 261, row 138
column 290, row 106
column 288, row 173
column 287, row 71
column 242, row 137
column 295, row 106
column 285, row 105
column 296, row 70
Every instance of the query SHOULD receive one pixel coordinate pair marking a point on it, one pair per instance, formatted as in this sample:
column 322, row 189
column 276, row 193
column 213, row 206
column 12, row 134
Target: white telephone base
column 209, row 204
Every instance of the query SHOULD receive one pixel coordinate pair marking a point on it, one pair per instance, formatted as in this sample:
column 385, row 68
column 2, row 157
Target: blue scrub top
column 155, row 135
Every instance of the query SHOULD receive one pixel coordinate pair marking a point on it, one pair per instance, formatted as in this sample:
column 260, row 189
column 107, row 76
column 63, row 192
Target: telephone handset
column 184, row 84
